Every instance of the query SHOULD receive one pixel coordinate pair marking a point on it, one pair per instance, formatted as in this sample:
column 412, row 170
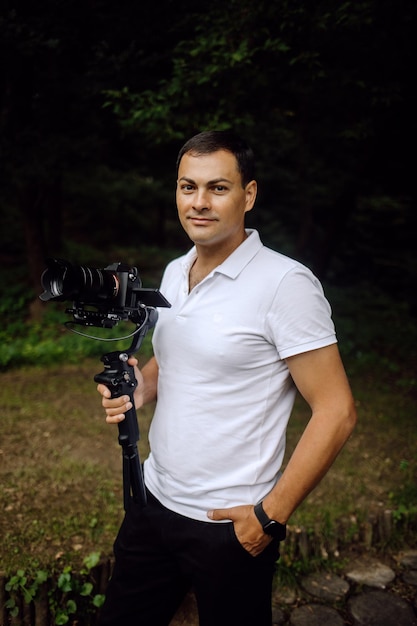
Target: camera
column 101, row 297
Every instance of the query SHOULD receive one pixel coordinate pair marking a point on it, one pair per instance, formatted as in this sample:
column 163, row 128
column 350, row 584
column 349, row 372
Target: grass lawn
column 61, row 466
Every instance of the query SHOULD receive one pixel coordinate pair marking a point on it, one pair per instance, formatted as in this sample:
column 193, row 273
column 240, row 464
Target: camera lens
column 64, row 281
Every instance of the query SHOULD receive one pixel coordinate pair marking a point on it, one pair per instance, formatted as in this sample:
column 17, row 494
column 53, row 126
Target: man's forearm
column 317, row 449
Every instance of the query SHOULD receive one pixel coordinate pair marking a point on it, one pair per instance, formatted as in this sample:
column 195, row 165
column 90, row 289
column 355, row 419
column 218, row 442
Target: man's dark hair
column 212, row 140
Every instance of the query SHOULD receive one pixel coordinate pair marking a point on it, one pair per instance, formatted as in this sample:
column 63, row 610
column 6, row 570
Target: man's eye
column 219, row 188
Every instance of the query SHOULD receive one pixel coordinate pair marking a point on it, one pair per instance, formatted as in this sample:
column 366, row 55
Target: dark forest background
column 97, row 96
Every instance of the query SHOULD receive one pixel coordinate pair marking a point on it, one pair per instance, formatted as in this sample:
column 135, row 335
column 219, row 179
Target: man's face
column 211, row 201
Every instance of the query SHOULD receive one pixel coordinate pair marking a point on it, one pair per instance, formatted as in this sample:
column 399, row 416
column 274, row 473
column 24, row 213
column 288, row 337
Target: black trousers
column 160, row 555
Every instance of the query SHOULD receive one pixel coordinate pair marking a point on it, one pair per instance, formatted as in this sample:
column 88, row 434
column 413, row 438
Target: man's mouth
column 201, row 220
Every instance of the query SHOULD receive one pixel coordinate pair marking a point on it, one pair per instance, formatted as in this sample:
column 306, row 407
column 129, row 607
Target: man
column 247, row 326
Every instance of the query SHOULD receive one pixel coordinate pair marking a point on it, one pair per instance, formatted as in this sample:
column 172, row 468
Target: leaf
column 41, row 576
column 29, row 594
column 64, row 582
column 86, row 589
column 71, row 606
column 92, row 560
column 99, row 599
column 10, row 603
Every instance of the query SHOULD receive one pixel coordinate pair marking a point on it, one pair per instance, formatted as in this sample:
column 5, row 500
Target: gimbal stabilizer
column 103, row 298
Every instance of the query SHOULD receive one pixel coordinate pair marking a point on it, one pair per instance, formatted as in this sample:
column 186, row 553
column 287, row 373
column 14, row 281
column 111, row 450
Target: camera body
column 101, row 297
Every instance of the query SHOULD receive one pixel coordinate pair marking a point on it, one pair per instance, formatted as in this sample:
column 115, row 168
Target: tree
column 57, row 58
column 321, row 90
column 97, row 99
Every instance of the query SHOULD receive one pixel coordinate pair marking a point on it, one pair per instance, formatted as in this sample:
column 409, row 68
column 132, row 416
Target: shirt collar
column 235, row 262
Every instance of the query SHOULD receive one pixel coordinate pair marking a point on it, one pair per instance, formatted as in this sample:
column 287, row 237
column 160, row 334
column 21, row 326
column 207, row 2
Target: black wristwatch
column 270, row 526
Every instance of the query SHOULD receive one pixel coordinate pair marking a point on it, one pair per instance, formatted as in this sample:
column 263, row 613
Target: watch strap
column 270, row 526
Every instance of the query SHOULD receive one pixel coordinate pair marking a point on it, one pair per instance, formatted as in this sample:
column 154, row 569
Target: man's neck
column 208, row 258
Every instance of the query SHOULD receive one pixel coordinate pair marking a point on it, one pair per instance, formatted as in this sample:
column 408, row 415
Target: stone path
column 367, row 591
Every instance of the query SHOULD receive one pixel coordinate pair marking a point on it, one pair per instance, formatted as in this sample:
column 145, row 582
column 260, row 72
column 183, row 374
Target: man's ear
column 251, row 190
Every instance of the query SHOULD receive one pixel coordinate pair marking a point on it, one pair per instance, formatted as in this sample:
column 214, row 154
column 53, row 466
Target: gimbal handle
column 120, row 378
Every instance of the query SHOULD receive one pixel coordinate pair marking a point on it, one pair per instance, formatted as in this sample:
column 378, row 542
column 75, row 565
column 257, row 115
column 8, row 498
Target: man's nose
column 201, row 200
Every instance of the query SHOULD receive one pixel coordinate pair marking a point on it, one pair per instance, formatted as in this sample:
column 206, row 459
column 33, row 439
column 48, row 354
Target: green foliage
column 212, row 64
column 75, row 593
column 48, row 342
column 291, row 568
column 129, row 206
column 405, row 497
column 21, row 584
column 69, row 593
column 303, row 83
column 377, row 333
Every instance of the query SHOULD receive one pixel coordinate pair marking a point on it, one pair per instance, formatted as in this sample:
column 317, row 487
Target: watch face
column 275, row 529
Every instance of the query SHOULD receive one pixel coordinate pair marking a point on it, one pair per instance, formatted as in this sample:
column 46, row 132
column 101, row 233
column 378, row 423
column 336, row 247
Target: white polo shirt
column 224, row 392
